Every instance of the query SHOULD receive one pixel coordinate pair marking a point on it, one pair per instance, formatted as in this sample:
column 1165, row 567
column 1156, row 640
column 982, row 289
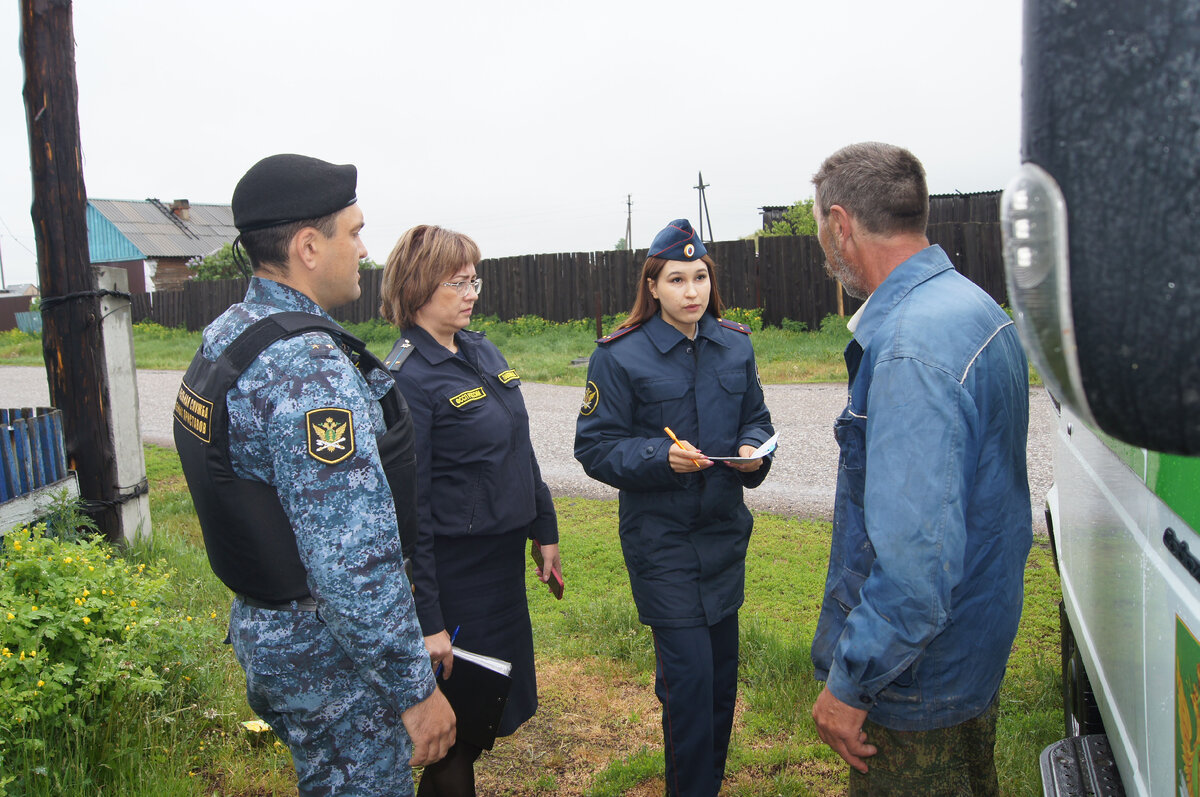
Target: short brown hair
column 267, row 248
column 880, row 185
column 645, row 306
column 422, row 258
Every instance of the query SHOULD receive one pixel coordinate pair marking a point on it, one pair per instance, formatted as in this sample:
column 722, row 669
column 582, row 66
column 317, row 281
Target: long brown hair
column 420, row 260
column 646, row 306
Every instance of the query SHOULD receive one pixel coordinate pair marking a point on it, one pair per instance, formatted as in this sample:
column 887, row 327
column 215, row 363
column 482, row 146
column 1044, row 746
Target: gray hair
column 882, row 186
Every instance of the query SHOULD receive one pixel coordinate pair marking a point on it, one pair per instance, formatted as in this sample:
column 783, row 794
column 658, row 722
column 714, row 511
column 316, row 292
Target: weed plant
column 87, row 636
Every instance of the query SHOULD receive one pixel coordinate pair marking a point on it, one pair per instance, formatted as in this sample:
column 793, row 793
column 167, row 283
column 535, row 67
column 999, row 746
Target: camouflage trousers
column 958, row 761
column 345, row 739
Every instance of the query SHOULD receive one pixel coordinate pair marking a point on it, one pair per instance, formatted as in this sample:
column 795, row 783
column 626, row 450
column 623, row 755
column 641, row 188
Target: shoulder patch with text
column 467, row 396
column 591, row 399
column 194, row 412
column 506, row 376
column 330, row 434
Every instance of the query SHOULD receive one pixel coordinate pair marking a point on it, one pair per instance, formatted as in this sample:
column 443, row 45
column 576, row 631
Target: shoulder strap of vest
column 278, row 326
column 400, row 352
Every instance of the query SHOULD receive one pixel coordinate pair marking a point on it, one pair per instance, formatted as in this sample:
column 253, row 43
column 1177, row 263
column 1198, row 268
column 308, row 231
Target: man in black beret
column 293, row 439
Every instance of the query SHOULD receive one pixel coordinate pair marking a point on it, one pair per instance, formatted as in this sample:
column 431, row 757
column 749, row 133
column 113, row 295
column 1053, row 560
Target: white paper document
column 759, row 453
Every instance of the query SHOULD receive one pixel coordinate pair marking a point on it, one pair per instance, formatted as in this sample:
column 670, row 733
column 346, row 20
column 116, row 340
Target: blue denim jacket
column 932, row 522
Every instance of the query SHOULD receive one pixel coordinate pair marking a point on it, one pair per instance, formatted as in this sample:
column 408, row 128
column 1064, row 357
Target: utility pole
column 2, row 284
column 629, row 222
column 74, row 307
column 703, row 210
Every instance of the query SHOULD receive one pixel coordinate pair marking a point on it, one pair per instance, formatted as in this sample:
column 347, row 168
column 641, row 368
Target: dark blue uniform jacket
column 472, row 443
column 684, row 535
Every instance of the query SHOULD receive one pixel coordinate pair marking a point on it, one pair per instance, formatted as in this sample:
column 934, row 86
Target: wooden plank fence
column 33, row 463
column 785, row 277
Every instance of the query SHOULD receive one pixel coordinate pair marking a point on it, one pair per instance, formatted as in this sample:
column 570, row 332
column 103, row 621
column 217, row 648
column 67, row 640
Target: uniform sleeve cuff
column 846, row 690
column 421, row 692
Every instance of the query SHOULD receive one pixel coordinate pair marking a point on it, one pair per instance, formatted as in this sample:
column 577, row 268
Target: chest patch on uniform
column 506, row 376
column 591, row 399
column 330, row 434
column 194, row 412
column 466, row 397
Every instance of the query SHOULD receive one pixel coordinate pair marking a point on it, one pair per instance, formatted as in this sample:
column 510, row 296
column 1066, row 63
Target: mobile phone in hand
column 556, row 580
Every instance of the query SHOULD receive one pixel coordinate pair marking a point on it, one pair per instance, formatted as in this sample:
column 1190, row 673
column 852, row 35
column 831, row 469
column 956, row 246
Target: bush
column 790, row 325
column 751, row 317
column 83, row 632
column 151, row 330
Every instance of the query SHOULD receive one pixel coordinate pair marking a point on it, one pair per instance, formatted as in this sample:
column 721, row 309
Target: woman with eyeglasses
column 480, row 494
column 669, row 394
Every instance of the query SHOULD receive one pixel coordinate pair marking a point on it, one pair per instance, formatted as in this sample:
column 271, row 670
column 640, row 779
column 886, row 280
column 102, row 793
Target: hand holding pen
column 683, row 457
column 441, row 649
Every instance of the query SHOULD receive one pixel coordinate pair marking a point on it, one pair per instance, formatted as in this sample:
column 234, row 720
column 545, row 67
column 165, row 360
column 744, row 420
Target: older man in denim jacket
column 932, row 521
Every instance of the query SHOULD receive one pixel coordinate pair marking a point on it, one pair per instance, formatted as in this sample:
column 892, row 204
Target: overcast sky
column 524, row 124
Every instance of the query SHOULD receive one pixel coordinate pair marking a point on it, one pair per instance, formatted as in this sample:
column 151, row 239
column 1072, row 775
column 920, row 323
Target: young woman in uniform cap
column 674, row 363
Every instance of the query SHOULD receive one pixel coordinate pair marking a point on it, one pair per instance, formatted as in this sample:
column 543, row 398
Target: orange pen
column 671, row 435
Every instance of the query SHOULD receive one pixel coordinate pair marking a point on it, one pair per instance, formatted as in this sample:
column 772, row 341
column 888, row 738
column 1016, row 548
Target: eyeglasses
column 475, row 285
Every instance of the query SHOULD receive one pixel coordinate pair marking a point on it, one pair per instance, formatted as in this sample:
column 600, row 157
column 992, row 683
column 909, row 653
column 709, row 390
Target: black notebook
column 477, row 689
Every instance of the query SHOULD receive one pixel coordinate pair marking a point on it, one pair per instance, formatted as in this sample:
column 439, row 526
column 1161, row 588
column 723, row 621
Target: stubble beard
column 837, row 267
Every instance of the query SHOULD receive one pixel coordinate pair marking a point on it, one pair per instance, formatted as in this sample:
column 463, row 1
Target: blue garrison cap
column 678, row 241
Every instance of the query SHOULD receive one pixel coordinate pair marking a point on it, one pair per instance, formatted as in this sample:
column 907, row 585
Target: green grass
column 191, row 743
column 541, row 351
column 785, row 576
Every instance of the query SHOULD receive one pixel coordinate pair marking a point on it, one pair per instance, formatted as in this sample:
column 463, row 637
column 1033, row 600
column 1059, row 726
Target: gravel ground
column 802, row 477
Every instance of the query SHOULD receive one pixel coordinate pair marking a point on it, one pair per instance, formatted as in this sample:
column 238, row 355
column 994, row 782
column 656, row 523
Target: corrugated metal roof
column 155, row 232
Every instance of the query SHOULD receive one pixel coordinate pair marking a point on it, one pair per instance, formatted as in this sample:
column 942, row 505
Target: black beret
column 281, row 189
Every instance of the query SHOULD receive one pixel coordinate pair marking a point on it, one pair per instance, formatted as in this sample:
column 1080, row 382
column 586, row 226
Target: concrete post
column 122, row 391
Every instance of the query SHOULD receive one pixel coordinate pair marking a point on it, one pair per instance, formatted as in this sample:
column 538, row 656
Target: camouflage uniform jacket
column 342, row 514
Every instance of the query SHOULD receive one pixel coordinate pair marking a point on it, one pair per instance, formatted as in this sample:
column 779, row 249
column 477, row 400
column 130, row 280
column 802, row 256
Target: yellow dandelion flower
column 41, row 684
column 22, row 655
column 91, row 569
column 5, row 652
column 87, row 592
column 68, row 559
column 35, row 608
column 33, row 654
column 133, row 603
column 141, row 568
column 17, row 546
column 11, row 616
column 79, row 601
column 87, row 620
column 189, row 618
column 212, row 616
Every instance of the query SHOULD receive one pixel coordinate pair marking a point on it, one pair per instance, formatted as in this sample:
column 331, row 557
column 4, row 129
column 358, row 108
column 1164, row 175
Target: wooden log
column 72, row 341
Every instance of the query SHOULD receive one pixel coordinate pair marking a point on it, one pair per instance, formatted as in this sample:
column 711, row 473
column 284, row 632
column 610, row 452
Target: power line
column 15, row 238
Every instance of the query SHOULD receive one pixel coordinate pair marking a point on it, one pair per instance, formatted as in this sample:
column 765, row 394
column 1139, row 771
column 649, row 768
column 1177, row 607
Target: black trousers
column 695, row 678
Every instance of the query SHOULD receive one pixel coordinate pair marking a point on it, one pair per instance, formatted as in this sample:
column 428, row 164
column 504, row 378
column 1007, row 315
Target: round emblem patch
column 689, row 250
column 591, row 399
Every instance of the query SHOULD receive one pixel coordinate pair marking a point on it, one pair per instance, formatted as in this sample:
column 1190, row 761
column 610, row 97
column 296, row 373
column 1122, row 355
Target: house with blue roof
column 154, row 241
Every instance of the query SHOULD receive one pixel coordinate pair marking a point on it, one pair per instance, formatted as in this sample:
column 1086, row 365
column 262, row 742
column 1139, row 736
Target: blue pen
column 454, row 636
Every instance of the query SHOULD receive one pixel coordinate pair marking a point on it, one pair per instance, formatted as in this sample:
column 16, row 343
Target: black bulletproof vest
column 250, row 543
